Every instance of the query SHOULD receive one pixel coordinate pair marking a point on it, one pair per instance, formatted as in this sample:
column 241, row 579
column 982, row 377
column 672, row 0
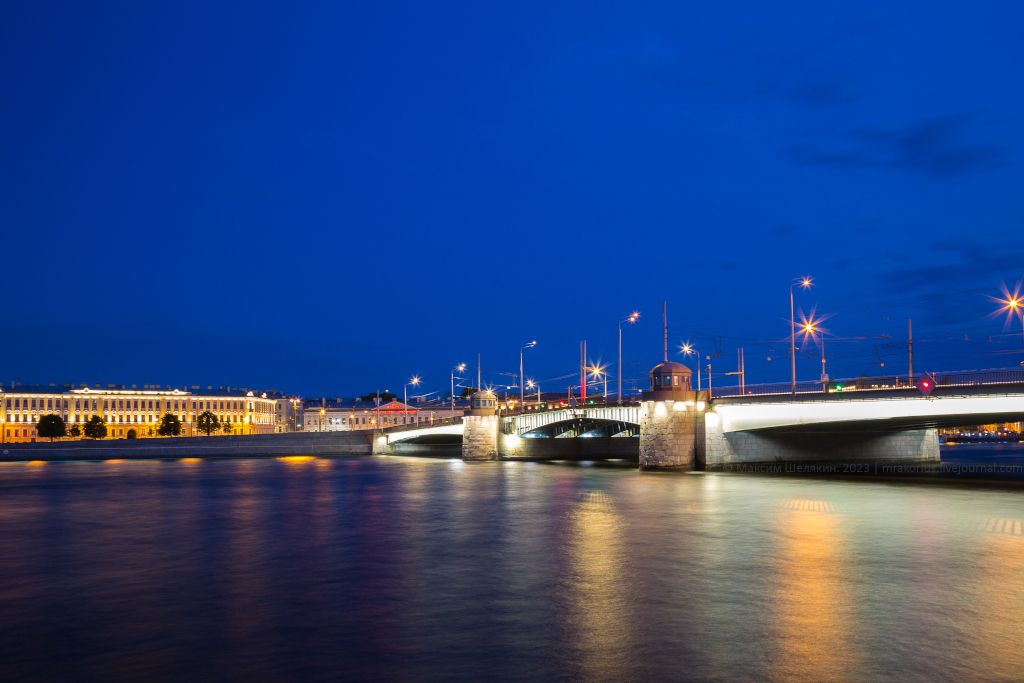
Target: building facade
column 287, row 415
column 132, row 412
column 344, row 416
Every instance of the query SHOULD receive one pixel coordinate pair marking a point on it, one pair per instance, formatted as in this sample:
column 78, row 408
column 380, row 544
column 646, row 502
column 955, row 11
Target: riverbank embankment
column 227, row 446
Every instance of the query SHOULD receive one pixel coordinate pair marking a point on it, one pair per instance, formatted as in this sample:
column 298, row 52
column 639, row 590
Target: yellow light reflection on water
column 36, row 462
column 594, row 589
column 811, row 606
column 996, row 596
column 297, row 458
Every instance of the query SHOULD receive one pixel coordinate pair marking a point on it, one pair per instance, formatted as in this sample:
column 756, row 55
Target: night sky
column 325, row 198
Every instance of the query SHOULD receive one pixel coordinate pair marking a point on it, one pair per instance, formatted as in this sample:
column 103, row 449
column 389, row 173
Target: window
column 657, row 380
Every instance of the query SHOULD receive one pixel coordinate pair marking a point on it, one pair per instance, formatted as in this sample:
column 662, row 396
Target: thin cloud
column 934, row 147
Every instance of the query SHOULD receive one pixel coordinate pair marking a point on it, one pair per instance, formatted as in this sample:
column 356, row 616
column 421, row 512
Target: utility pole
column 910, row 346
column 792, row 345
column 583, row 372
column 664, row 323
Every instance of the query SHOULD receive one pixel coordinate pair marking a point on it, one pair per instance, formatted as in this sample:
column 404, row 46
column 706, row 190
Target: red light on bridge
column 925, row 384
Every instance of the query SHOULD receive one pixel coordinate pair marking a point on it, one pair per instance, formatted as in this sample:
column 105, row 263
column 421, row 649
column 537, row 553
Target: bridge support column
column 668, row 432
column 480, row 437
column 380, row 443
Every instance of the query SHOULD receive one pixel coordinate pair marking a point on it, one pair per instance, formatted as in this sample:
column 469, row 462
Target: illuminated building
column 344, row 416
column 133, row 410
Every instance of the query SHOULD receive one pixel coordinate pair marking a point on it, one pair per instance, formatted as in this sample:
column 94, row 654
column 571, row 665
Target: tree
column 95, row 428
column 207, row 422
column 51, row 427
column 76, row 431
column 467, row 392
column 384, row 398
column 170, row 425
column 226, row 427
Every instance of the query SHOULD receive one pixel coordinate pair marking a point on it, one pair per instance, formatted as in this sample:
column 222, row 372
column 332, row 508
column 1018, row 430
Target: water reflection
column 597, row 624
column 811, row 616
column 401, row 569
column 997, row 600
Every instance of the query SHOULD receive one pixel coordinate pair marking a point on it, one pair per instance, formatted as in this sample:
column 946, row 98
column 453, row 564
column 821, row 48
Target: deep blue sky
column 328, row 197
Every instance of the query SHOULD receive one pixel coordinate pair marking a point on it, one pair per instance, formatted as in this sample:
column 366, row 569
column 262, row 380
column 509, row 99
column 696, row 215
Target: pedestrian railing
column 979, row 378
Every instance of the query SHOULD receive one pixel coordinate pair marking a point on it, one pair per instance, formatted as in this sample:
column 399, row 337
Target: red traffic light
column 925, row 384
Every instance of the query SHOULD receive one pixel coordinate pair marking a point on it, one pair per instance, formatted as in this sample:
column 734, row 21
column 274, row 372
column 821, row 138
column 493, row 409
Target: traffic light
column 925, row 384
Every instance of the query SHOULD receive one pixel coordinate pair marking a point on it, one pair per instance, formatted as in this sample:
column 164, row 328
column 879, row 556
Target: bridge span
column 683, row 429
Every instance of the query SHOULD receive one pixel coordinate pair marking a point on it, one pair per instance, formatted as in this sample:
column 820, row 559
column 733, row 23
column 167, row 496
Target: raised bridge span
column 858, row 420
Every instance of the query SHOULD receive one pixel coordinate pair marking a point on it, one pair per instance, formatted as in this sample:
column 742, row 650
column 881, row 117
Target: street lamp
column 460, row 368
column 522, row 395
column 415, row 381
column 598, row 372
column 530, row 385
column 810, row 330
column 1013, row 305
column 686, row 349
column 631, row 318
column 804, row 282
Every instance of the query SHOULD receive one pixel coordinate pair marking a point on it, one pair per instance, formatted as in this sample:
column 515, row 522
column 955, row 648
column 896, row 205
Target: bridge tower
column 480, row 427
column 670, row 418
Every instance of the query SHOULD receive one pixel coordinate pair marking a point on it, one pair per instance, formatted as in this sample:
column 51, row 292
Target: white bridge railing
column 527, row 422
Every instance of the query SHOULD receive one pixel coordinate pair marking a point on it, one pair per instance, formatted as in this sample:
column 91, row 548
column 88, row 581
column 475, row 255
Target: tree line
column 53, row 427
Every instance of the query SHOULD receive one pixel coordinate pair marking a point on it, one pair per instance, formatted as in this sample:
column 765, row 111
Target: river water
column 406, row 569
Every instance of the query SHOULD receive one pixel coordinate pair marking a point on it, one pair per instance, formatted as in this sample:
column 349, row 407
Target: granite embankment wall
column 250, row 446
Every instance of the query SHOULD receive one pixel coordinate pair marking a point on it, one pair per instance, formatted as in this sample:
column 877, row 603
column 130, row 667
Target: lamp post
column 687, row 349
column 460, row 368
column 415, row 381
column 631, row 318
column 597, row 372
column 804, row 282
column 531, row 384
column 1013, row 304
column 810, row 329
column 522, row 389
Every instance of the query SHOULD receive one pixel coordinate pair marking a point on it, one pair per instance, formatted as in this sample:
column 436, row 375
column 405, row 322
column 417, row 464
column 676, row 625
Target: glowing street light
column 522, row 390
column 631, row 319
column 811, row 327
column 597, row 372
column 805, row 282
column 1012, row 305
column 460, row 368
column 415, row 381
column 533, row 385
column 688, row 349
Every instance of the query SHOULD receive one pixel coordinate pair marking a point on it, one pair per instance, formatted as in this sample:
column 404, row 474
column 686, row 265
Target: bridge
column 859, row 419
